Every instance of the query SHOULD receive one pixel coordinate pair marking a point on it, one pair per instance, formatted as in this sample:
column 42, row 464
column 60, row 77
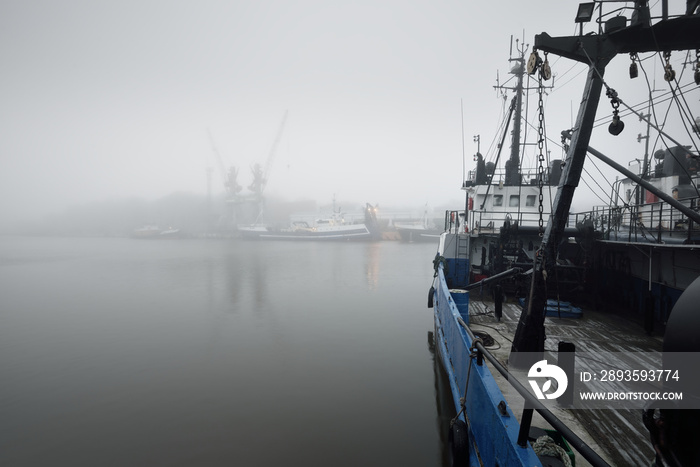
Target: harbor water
column 207, row 352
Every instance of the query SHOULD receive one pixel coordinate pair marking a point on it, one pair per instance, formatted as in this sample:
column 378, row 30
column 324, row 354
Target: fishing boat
column 155, row 232
column 647, row 239
column 329, row 228
column 506, row 202
column 422, row 230
column 658, row 238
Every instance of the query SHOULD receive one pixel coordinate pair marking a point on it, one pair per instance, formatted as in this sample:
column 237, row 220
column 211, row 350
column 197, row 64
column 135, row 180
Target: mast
column 513, row 164
column 596, row 50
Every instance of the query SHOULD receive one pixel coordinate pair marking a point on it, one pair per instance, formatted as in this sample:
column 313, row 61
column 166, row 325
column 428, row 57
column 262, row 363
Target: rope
column 491, row 327
column 436, row 264
column 463, row 399
column 545, row 446
column 486, row 338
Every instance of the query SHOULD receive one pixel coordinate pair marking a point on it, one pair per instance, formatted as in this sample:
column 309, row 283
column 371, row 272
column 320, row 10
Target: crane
column 219, row 161
column 260, row 175
column 229, row 179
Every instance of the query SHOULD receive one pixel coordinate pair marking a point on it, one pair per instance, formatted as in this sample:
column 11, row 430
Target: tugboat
column 659, row 234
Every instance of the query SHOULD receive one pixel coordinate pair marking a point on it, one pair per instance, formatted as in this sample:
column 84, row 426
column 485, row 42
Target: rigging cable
column 684, row 110
column 641, row 116
column 661, row 134
column 667, row 96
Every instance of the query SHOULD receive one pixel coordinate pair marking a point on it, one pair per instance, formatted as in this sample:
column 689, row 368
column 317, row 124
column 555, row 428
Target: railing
column 531, row 403
column 651, row 223
column 528, row 176
column 492, row 221
column 454, row 220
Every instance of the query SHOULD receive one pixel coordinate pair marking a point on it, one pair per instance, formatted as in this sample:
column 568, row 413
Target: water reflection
column 443, row 401
column 372, row 265
column 206, row 352
column 246, row 276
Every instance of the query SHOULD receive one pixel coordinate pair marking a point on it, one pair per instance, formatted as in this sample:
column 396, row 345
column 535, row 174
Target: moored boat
column 155, row 232
column 486, row 429
column 331, row 228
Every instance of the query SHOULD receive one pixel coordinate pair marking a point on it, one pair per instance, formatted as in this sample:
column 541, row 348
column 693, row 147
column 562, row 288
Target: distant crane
column 229, row 179
column 258, row 185
column 231, row 187
column 260, row 176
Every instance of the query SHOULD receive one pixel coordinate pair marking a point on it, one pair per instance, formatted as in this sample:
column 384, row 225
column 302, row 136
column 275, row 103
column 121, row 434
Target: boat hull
column 351, row 232
column 419, row 235
column 493, row 431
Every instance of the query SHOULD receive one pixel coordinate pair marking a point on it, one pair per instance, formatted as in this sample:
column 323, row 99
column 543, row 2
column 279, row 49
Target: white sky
column 103, row 100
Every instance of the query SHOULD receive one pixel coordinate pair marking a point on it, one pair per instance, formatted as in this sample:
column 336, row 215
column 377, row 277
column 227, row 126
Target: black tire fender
column 458, row 443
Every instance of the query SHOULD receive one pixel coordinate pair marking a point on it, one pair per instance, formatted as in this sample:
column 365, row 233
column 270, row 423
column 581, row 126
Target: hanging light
column 634, row 71
column 616, row 126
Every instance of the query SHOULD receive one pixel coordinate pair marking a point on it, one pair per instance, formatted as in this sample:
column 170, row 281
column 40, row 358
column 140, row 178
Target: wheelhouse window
column 498, row 200
column 514, row 201
column 530, row 201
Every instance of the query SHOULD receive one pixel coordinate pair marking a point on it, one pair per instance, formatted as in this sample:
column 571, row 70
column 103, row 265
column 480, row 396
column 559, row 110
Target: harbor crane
column 260, row 175
column 229, row 179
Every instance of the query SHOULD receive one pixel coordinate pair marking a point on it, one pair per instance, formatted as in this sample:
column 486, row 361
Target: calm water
column 208, row 352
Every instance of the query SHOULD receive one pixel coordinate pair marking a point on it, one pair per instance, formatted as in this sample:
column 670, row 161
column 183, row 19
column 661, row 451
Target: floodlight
column 585, row 12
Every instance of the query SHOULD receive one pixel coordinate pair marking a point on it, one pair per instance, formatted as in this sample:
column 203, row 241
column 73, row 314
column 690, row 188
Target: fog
column 108, row 102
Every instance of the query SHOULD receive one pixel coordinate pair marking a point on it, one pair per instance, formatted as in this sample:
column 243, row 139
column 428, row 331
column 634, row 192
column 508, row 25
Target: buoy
column 431, row 293
column 459, row 444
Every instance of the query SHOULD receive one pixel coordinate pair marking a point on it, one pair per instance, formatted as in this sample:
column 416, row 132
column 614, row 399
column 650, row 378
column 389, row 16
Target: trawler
column 642, row 250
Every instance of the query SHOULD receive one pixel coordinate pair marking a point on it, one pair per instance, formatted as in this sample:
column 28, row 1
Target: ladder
column 462, row 259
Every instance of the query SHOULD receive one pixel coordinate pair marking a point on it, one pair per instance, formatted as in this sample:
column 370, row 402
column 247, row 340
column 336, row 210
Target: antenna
column 464, row 169
column 510, row 54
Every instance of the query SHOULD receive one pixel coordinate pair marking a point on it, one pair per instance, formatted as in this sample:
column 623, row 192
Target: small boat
column 417, row 232
column 147, row 231
column 155, row 232
column 421, row 230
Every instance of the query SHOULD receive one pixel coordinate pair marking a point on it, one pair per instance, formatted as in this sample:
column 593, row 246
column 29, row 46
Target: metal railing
column 528, row 176
column 533, row 404
column 647, row 223
column 492, row 221
column 454, row 221
column 651, row 223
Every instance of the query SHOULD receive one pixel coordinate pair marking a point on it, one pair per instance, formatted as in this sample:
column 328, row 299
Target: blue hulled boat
column 486, row 429
column 489, row 428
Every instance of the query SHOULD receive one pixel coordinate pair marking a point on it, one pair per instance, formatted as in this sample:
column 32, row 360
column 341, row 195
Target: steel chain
column 540, row 147
column 669, row 73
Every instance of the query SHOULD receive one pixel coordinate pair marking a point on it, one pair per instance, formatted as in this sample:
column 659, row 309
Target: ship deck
column 619, row 436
